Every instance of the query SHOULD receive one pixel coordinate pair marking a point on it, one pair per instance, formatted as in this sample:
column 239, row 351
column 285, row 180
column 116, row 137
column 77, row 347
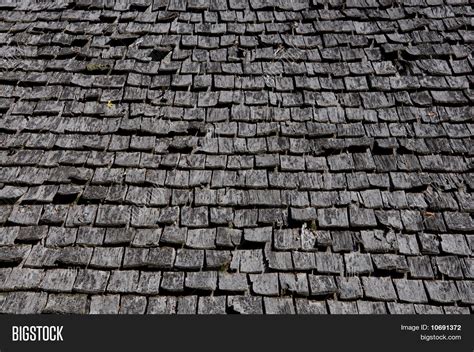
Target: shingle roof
column 213, row 156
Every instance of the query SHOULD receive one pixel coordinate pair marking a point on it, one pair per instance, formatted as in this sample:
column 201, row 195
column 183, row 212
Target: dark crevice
column 9, row 264
column 251, row 245
column 83, row 201
column 27, row 241
column 231, row 310
column 160, row 53
column 125, row 41
column 79, row 42
column 139, row 7
column 356, row 149
column 401, row 150
column 378, row 150
column 64, row 198
column 107, row 19
column 224, row 105
column 180, row 149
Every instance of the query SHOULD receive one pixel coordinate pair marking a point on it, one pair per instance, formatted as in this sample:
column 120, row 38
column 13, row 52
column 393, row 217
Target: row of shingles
column 287, row 143
column 148, row 15
column 226, row 145
column 295, row 123
column 302, row 5
column 437, row 212
column 379, row 94
column 203, row 243
column 34, row 303
column 414, row 294
column 251, row 140
column 369, row 100
column 371, row 252
column 65, row 246
column 359, row 28
column 246, row 260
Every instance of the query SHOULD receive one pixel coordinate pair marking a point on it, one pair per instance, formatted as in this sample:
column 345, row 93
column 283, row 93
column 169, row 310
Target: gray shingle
column 123, row 281
column 245, row 304
column 390, row 262
column 329, row 263
column 161, row 305
column 258, row 235
column 379, row 288
column 149, row 282
column 201, row 238
column 333, row 218
column 204, row 280
column 265, row 284
column 287, row 239
column 378, row 242
column 442, row 291
column 365, row 307
column 91, row 281
column 187, row 305
column 304, row 306
column 349, row 287
column 358, row 263
column 26, row 214
column 24, row 302
column 161, row 257
column 212, row 305
column 107, row 257
column 466, row 291
column 195, row 217
column 233, row 282
column 360, row 217
column 321, row 285
column 106, row 304
column 294, row 283
column 420, row 267
column 411, row 290
column 339, row 307
column 275, row 305
column 66, row 304
column 58, row 280
column 189, row 259
column 454, row 244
